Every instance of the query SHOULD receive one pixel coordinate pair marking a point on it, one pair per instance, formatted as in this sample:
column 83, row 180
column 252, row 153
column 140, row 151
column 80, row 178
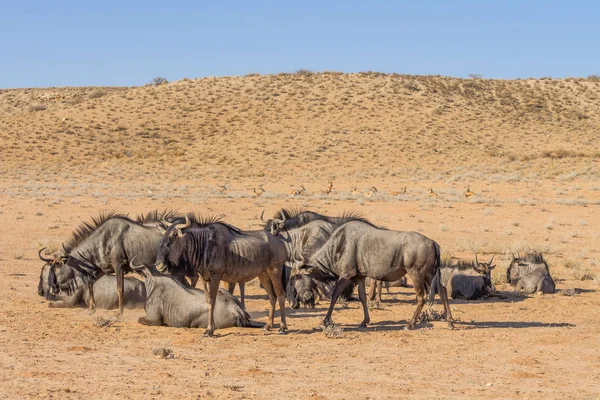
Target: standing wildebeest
column 467, row 280
column 173, row 304
column 358, row 249
column 219, row 251
column 105, row 296
column 377, row 286
column 530, row 274
column 304, row 232
column 103, row 246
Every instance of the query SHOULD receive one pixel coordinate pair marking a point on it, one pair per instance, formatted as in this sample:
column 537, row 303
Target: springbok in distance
column 396, row 193
column 259, row 192
column 468, row 193
column 371, row 191
column 330, row 188
column 222, row 188
column 354, row 190
column 432, row 193
column 296, row 192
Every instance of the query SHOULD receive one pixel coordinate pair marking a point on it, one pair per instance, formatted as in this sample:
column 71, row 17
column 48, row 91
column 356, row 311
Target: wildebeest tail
column 436, row 281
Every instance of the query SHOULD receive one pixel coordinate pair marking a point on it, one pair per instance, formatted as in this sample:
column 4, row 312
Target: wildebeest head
column 49, row 283
column 170, row 247
column 302, row 286
column 483, row 268
column 520, row 266
column 275, row 225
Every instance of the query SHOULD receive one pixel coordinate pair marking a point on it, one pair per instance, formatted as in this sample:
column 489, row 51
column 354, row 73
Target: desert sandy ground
column 527, row 149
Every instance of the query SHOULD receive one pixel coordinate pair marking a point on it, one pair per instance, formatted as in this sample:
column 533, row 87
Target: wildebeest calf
column 172, row 304
column 530, row 274
column 377, row 286
column 105, row 295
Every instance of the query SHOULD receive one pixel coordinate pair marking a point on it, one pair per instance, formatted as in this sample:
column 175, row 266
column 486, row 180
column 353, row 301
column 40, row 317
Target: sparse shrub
column 333, row 331
column 475, row 76
column 432, row 315
column 305, row 72
column 19, row 256
column 37, row 107
column 159, row 80
column 594, row 77
column 95, row 94
column 572, row 264
column 163, row 352
column 102, row 322
column 583, row 276
column 374, row 305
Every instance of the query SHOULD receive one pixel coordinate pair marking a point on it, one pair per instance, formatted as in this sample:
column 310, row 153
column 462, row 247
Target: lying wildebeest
column 377, row 286
column 530, row 274
column 359, row 249
column 219, row 251
column 103, row 246
column 105, row 296
column 467, row 280
column 173, row 304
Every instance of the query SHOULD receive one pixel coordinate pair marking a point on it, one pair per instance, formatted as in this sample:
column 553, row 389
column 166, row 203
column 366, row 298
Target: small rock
column 489, row 384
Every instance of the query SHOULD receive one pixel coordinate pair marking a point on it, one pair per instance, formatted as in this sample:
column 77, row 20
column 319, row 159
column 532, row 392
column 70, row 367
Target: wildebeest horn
column 180, row 227
column 262, row 214
column 282, row 216
column 476, row 262
column 513, row 254
column 135, row 267
column 42, row 258
column 491, row 259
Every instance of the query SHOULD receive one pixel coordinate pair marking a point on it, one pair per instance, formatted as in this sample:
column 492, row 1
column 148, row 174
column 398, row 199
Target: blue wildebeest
column 304, row 232
column 104, row 246
column 173, row 304
column 219, row 251
column 468, row 280
column 359, row 249
column 105, row 295
column 530, row 274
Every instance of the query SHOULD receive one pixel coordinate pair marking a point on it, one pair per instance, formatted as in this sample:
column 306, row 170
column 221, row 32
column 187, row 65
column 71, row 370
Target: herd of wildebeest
column 299, row 255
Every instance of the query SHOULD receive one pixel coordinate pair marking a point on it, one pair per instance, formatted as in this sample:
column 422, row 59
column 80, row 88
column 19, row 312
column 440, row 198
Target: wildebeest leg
column 337, row 290
column 231, row 287
column 444, row 296
column 211, row 299
column 372, row 289
column 379, row 289
column 265, row 280
column 92, row 301
column 59, row 304
column 120, row 288
column 150, row 322
column 420, row 292
column 362, row 295
column 280, row 293
column 242, row 286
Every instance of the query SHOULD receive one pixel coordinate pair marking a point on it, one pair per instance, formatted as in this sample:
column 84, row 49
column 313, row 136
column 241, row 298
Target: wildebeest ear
column 491, row 267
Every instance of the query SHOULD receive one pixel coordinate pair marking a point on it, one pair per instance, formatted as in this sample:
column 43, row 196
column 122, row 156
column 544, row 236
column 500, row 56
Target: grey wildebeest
column 530, row 274
column 467, row 280
column 359, row 249
column 105, row 295
column 219, row 251
column 173, row 304
column 101, row 247
column 376, row 287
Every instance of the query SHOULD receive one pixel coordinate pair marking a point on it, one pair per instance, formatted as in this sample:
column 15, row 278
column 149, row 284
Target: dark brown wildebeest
column 359, row 249
column 105, row 295
column 173, row 304
column 530, row 274
column 219, row 251
column 468, row 280
column 103, row 246
column 377, row 286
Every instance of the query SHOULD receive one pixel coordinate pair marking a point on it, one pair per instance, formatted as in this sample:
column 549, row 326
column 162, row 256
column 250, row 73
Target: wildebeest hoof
column 91, row 312
column 118, row 315
column 267, row 327
column 208, row 333
column 283, row 330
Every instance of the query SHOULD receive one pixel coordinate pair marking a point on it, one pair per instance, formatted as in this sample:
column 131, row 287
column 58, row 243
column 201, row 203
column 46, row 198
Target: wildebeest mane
column 201, row 221
column 157, row 216
column 289, row 212
column 84, row 230
column 295, row 212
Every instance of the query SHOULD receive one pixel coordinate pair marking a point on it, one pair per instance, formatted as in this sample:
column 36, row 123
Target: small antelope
column 296, row 192
column 371, row 191
column 468, row 193
column 396, row 193
column 222, row 188
column 259, row 192
column 432, row 193
column 330, row 188
column 354, row 190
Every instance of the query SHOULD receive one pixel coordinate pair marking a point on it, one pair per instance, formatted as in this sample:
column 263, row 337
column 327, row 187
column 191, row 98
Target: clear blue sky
column 73, row 43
